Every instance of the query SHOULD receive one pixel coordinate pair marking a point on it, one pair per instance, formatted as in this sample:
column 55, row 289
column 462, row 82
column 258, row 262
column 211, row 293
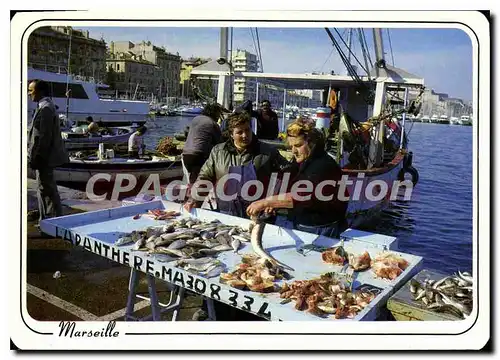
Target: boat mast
column 222, row 92
column 68, row 72
column 379, row 64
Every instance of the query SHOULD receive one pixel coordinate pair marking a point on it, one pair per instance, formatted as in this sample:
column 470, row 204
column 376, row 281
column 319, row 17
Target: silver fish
column 175, row 252
column 154, row 231
column 202, row 267
column 235, row 245
column 234, row 231
column 205, row 260
column 224, row 239
column 420, row 295
column 214, row 271
column 241, row 238
column 206, row 235
column 151, row 245
column 177, row 244
column 455, row 304
column 196, row 243
column 222, row 247
column 164, row 258
column 256, row 241
column 139, row 243
column 124, row 240
column 222, row 232
column 205, row 252
column 439, row 282
column 467, row 278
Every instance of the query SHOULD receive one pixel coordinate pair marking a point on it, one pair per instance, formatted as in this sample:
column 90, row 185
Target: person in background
column 84, row 128
column 247, row 107
column 267, row 122
column 93, row 129
column 204, row 133
column 311, row 163
column 136, row 143
column 46, row 149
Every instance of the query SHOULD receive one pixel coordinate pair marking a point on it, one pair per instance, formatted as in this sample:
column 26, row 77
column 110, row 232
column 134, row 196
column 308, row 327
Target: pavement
column 90, row 287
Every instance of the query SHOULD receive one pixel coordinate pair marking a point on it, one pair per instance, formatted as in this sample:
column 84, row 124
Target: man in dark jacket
column 204, row 133
column 268, row 122
column 46, row 149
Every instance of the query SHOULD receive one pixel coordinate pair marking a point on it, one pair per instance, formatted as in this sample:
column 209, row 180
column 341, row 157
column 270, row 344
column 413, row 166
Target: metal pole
column 284, row 109
column 404, row 118
column 257, row 94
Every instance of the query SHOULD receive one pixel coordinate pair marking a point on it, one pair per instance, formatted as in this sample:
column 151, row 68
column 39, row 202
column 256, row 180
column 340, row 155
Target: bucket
column 323, row 118
column 101, row 153
column 110, row 153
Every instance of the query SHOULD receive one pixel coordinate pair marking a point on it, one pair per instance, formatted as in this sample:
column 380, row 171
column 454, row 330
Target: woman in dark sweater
column 324, row 211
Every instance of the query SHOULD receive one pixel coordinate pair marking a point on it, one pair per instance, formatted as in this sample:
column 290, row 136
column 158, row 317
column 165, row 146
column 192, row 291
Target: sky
column 443, row 57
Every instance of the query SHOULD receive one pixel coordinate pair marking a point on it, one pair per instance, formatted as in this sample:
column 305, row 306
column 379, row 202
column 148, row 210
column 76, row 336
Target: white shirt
column 135, row 142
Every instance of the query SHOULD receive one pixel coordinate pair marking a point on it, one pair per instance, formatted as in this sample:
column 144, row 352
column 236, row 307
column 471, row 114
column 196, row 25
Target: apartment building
column 169, row 64
column 244, row 89
column 49, row 50
column 134, row 77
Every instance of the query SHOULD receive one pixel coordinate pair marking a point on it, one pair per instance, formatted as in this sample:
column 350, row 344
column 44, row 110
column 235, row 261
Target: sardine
column 467, row 278
column 177, row 244
column 234, row 231
column 236, row 245
column 420, row 295
column 202, row 267
column 256, row 241
column 453, row 303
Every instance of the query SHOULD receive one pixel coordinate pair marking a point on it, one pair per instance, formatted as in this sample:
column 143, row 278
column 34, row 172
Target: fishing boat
column 77, row 173
column 382, row 82
column 84, row 101
column 190, row 111
column 465, row 120
column 111, row 136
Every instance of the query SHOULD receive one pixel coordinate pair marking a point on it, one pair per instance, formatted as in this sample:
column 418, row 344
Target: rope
column 350, row 51
column 350, row 68
column 390, row 46
column 366, row 46
column 260, row 53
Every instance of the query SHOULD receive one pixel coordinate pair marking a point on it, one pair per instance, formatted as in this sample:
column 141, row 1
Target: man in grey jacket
column 45, row 149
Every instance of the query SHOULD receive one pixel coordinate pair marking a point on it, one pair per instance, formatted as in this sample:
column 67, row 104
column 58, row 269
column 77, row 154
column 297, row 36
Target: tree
column 111, row 78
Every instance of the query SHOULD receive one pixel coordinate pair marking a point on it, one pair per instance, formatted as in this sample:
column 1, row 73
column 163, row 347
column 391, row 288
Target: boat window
column 58, row 90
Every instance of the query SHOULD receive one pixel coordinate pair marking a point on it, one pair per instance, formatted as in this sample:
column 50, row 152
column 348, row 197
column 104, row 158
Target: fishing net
column 167, row 146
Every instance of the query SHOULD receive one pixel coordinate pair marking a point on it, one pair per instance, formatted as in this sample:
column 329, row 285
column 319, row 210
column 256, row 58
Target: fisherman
column 204, row 133
column 311, row 163
column 84, row 128
column 241, row 155
column 46, row 149
column 267, row 122
column 93, row 129
column 136, row 143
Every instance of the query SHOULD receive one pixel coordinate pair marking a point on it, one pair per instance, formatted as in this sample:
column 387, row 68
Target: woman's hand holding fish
column 259, row 206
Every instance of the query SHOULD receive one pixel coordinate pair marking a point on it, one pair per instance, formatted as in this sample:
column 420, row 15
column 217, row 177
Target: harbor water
column 437, row 223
